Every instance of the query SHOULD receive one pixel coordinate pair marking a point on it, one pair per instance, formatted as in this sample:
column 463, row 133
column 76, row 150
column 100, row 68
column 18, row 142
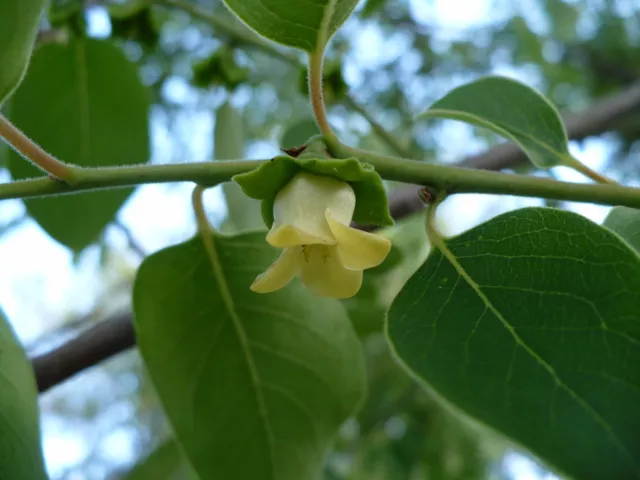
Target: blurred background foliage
column 394, row 57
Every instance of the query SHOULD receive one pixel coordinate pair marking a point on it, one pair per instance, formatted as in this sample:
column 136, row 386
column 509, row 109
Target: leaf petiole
column 433, row 235
column 572, row 162
column 34, row 153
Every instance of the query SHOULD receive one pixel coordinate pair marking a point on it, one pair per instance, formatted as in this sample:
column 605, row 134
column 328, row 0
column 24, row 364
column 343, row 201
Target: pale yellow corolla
column 311, row 223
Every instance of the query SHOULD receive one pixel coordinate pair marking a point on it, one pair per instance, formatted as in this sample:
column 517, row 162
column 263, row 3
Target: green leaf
column 83, row 103
column 20, row 451
column 298, row 133
column 255, row 386
column 371, row 7
column 513, row 110
column 530, row 323
column 64, row 13
column 563, row 17
column 135, row 21
column 527, row 45
column 266, row 181
column 625, row 222
column 220, row 68
column 296, row 24
column 244, row 212
column 166, row 462
column 367, row 309
column 19, row 21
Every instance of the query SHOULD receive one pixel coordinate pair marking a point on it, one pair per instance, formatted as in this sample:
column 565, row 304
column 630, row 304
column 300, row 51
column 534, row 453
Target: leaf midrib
column 440, row 244
column 505, row 133
column 82, row 77
column 227, row 298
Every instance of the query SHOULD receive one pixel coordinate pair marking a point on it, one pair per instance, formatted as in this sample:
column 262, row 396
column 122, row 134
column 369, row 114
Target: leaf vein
column 440, row 244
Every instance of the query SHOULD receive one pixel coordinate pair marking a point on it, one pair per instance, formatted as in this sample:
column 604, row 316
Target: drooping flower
column 312, row 214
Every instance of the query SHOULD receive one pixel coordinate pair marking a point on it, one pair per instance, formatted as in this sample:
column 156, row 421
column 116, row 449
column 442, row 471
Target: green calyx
column 266, row 181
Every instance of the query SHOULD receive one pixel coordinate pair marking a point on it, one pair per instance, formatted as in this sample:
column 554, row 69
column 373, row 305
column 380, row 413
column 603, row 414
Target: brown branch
column 116, row 334
column 89, row 348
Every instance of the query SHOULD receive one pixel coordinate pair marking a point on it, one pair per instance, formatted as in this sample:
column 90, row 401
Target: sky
column 40, row 283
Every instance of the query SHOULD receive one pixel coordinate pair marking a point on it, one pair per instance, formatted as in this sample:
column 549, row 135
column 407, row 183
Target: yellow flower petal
column 356, row 249
column 283, row 236
column 298, row 210
column 280, row 273
column 324, row 275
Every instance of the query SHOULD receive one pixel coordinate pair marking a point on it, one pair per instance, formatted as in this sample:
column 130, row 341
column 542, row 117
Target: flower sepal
column 266, row 181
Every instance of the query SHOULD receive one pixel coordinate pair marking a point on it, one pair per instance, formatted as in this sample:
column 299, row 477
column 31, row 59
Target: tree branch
column 89, row 348
column 116, row 334
column 33, row 152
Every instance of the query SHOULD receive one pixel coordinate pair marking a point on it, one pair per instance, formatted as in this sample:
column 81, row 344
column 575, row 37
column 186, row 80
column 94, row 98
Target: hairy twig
column 32, row 152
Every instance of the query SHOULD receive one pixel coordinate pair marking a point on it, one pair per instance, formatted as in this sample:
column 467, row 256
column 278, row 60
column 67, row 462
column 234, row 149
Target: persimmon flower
column 311, row 223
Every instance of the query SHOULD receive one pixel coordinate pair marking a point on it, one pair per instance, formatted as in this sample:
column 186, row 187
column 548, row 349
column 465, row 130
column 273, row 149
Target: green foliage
column 63, row 12
column 564, row 18
column 535, row 125
column 295, row 24
column 19, row 20
column 625, row 222
column 134, row 21
column 367, row 308
column 530, row 324
column 527, row 46
column 220, row 68
column 265, row 182
column 20, row 452
column 244, row 212
column 83, row 103
column 371, row 7
column 166, row 462
column 255, row 386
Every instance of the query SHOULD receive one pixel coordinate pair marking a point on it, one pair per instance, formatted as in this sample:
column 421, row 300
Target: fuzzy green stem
column 463, row 180
column 197, row 201
column 433, row 235
column 316, row 60
column 317, row 101
column 205, row 228
column 32, row 152
column 205, row 173
column 578, row 166
column 450, row 179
